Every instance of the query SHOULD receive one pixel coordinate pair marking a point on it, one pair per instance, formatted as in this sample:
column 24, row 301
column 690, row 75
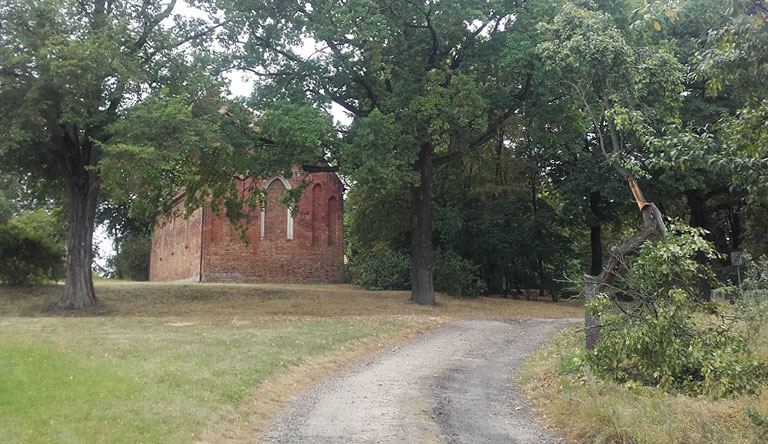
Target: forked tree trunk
column 422, row 290
column 78, row 285
column 653, row 222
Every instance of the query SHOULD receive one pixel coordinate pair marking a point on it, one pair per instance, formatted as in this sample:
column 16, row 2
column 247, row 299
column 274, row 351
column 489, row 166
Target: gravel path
column 451, row 385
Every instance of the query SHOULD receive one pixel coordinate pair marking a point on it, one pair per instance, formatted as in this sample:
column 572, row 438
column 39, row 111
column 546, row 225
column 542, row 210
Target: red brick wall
column 314, row 254
column 176, row 249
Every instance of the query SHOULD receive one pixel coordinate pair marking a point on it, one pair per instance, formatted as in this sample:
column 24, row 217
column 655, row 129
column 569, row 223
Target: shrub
column 131, row 259
column 27, row 258
column 457, row 276
column 657, row 341
column 391, row 270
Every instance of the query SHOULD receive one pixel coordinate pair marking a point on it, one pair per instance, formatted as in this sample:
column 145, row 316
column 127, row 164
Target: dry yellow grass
column 273, row 301
column 605, row 412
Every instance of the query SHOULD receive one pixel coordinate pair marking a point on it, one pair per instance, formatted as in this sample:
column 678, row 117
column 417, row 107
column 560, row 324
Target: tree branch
column 188, row 39
column 241, row 67
column 489, row 134
column 320, row 169
column 150, row 24
column 341, row 102
column 432, row 62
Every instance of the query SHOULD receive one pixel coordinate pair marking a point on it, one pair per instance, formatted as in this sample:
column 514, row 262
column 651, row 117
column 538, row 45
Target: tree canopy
column 502, row 131
column 126, row 98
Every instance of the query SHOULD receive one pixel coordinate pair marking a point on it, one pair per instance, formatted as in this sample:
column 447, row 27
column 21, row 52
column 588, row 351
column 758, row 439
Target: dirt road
column 451, row 385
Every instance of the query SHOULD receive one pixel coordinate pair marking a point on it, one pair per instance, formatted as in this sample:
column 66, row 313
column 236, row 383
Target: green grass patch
column 43, row 392
column 128, row 380
column 592, row 411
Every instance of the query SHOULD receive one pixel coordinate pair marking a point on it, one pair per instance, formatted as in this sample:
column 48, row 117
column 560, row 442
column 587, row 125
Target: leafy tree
column 713, row 158
column 123, row 97
column 726, row 130
column 67, row 69
column 10, row 190
column 131, row 258
column 421, row 80
column 625, row 88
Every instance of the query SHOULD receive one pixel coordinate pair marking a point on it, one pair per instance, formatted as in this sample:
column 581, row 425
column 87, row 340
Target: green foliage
column 389, row 270
column 10, row 190
column 457, row 276
column 46, row 223
column 667, row 264
column 751, row 307
column 376, row 218
column 668, row 338
column 611, row 71
column 131, row 258
column 667, row 349
column 758, row 420
column 27, row 257
column 727, row 96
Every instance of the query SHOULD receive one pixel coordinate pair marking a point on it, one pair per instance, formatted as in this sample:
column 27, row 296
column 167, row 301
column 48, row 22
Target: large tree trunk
column 83, row 199
column 422, row 291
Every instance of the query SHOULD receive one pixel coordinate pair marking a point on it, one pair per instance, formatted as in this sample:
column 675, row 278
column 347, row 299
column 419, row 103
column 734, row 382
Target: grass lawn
column 589, row 411
column 172, row 363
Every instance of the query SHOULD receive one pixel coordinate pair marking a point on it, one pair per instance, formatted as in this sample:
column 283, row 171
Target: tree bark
column 422, row 291
column 83, row 199
column 595, row 235
column 596, row 245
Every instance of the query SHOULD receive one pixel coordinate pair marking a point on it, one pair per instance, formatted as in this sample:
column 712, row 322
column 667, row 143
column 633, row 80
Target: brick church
column 308, row 248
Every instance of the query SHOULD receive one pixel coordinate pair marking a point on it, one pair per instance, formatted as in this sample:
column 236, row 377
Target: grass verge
column 584, row 410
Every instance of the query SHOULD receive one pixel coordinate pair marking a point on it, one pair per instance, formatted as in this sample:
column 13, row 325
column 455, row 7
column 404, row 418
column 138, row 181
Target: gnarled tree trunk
column 83, row 199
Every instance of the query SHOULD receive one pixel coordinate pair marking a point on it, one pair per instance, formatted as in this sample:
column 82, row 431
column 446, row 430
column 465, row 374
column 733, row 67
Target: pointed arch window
column 273, row 226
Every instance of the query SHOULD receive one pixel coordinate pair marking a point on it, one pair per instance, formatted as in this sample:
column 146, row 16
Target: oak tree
column 422, row 81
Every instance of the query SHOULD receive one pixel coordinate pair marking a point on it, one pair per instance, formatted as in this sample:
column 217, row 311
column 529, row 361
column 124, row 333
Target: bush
column 27, row 258
column 391, row 270
column 131, row 259
column 657, row 341
column 457, row 276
